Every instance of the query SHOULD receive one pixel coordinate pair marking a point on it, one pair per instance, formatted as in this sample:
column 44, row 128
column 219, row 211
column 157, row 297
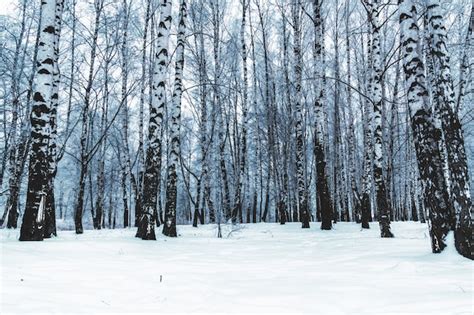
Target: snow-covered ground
column 257, row 268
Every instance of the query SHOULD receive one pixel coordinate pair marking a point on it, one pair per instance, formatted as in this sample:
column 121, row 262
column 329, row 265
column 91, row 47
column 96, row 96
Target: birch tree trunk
column 452, row 130
column 243, row 140
column 284, row 206
column 100, row 200
column 256, row 126
column 32, row 227
column 366, row 205
column 377, row 102
column 300, row 152
column 146, row 228
column 199, row 209
column 73, row 65
column 124, row 152
column 393, row 142
column 218, row 111
column 141, row 151
column 12, row 143
column 323, row 198
column 465, row 62
column 50, row 208
column 425, row 132
column 169, row 228
column 354, row 198
column 100, row 197
column 23, row 146
column 84, row 160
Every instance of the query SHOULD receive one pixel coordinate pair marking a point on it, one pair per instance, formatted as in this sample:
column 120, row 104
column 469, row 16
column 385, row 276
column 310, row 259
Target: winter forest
column 242, row 138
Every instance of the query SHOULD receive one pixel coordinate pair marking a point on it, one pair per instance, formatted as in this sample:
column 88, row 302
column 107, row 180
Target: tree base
column 149, row 236
column 326, row 226
column 386, row 234
column 170, row 231
column 462, row 242
column 34, row 237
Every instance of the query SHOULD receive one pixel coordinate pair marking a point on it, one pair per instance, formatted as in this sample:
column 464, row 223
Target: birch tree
column 324, row 203
column 32, row 228
column 243, row 138
column 452, row 130
column 124, row 152
column 50, row 207
column 300, row 160
column 17, row 142
column 169, row 228
column 146, row 228
column 426, row 134
column 376, row 92
column 143, row 85
column 85, row 132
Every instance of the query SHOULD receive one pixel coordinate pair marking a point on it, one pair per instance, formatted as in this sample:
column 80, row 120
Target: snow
column 40, row 215
column 257, row 268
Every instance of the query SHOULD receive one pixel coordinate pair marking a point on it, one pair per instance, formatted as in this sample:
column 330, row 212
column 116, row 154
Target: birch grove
column 156, row 114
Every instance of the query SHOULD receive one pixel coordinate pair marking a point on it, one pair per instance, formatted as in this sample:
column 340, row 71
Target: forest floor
column 256, row 268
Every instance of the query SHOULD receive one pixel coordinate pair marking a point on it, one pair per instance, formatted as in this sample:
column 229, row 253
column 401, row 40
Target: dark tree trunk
column 414, row 211
column 84, row 161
